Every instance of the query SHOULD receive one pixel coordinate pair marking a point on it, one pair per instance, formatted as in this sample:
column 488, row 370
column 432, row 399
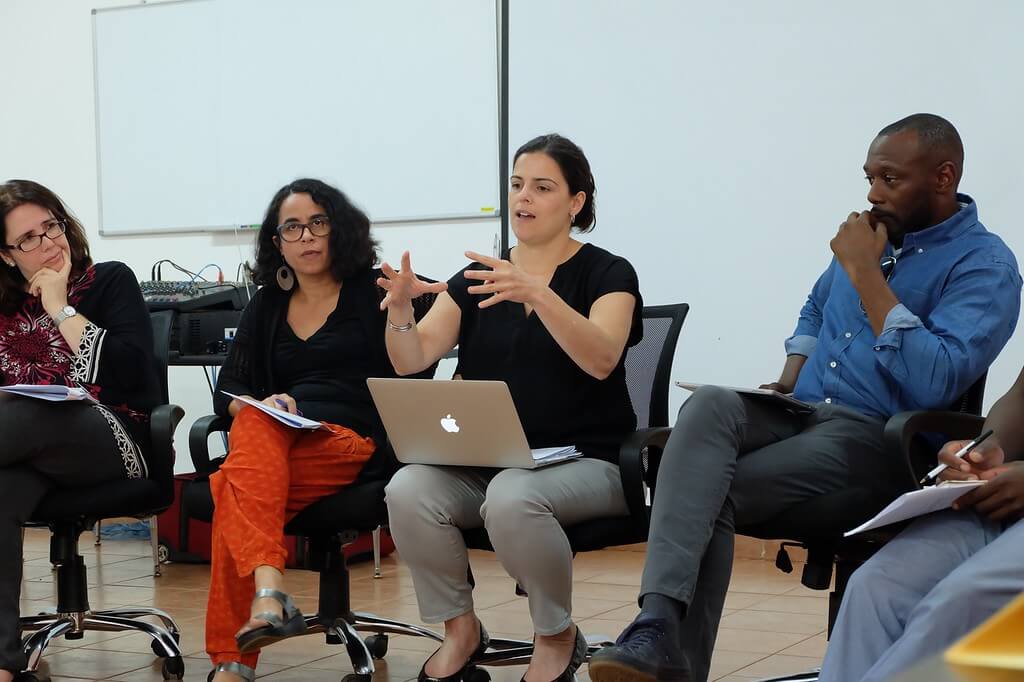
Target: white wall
column 746, row 278
column 47, row 134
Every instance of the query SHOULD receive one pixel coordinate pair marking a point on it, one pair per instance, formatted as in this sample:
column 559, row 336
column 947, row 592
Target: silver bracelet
column 400, row 327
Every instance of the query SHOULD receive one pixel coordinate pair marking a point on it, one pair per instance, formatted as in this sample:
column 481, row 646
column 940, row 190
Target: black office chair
column 817, row 525
column 648, row 365
column 69, row 512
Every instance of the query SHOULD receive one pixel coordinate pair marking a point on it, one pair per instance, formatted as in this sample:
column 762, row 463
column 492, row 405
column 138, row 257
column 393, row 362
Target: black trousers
column 43, row 446
column 734, row 461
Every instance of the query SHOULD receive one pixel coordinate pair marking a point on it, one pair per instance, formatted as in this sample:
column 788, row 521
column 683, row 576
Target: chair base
column 47, row 627
column 809, row 676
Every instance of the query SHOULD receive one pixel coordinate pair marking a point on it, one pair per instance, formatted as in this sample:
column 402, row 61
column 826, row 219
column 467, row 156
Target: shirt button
column 848, row 334
column 920, row 250
column 878, row 348
column 833, row 364
column 828, row 400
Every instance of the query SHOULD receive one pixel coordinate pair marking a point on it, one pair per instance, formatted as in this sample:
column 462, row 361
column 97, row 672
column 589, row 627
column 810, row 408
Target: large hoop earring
column 285, row 278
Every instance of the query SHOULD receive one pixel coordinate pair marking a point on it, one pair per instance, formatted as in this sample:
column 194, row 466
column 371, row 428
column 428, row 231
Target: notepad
column 783, row 399
column 546, row 456
column 918, row 503
column 283, row 416
column 51, row 393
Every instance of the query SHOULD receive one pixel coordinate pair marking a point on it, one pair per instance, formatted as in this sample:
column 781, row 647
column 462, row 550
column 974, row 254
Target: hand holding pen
column 282, row 401
column 965, row 460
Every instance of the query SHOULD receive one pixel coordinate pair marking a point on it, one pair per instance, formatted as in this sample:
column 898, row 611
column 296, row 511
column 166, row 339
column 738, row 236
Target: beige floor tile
column 778, row 665
column 756, row 641
column 725, row 662
column 793, row 603
column 812, row 647
column 775, row 621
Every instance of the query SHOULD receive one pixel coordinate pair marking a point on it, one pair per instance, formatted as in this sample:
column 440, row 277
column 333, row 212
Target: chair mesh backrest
column 649, row 362
column 162, row 321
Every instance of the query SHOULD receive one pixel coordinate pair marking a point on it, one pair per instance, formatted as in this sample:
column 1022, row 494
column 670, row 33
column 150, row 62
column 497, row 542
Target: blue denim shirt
column 959, row 290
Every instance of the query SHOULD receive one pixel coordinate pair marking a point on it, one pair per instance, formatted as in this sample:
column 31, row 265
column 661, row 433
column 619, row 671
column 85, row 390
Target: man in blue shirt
column 916, row 304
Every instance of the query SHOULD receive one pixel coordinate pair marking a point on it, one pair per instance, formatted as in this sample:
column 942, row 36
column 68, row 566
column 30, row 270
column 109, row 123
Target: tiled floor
column 772, row 624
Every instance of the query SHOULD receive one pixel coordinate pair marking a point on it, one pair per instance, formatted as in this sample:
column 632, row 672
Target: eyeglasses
column 888, row 266
column 292, row 232
column 30, row 242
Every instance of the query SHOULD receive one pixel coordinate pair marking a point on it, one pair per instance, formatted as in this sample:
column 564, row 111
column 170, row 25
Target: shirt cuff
column 801, row 344
column 86, row 362
column 898, row 319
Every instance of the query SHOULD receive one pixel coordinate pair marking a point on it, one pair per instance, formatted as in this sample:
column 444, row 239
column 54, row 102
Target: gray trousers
column 934, row 583
column 523, row 511
column 42, row 446
column 734, row 461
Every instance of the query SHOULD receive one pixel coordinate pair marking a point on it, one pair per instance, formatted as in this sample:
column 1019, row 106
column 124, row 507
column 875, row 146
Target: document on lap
column 51, row 393
column 283, row 416
column 546, row 456
column 918, row 503
column 783, row 399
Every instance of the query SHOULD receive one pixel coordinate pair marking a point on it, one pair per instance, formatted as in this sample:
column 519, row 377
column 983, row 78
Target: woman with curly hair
column 306, row 343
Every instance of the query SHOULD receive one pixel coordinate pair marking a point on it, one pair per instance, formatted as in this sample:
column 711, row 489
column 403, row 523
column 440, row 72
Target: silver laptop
column 457, row 423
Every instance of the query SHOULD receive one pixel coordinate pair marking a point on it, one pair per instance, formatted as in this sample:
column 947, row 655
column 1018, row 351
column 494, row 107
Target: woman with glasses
column 64, row 320
column 306, row 344
column 552, row 318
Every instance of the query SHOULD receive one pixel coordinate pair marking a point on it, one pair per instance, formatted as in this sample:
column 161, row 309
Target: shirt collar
column 949, row 229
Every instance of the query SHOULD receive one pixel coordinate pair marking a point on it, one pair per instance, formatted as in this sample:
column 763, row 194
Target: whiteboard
column 205, row 108
column 727, row 141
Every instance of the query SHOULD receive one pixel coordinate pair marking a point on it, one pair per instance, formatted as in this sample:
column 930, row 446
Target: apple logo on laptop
column 449, row 424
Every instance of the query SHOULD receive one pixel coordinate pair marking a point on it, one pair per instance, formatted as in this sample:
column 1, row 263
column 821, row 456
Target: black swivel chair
column 70, row 512
column 817, row 525
column 648, row 365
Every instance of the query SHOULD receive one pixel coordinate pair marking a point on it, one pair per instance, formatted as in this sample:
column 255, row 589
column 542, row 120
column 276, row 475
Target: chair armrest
column 901, row 429
column 163, row 421
column 198, row 437
column 631, row 468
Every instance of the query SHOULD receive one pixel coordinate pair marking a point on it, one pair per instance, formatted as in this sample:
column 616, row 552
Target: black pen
column 960, row 454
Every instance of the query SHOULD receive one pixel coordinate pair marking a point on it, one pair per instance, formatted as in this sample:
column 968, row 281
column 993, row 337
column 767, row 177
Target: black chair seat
column 359, row 507
column 137, row 497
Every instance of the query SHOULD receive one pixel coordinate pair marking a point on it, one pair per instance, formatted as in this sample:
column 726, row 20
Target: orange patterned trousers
column 273, row 472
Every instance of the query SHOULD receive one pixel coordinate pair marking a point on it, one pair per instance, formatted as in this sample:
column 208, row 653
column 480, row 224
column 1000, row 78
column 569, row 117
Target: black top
column 266, row 357
column 558, row 403
column 326, row 373
column 114, row 359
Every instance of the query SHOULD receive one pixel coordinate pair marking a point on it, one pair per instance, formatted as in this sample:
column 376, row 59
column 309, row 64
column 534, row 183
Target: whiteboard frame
column 501, row 147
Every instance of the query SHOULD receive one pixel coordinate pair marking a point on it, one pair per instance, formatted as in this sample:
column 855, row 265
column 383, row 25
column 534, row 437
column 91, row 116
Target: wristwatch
column 65, row 312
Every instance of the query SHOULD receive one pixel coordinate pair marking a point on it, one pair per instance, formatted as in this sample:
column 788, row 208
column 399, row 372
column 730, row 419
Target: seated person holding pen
column 306, row 342
column 65, row 321
column 552, row 319
column 917, row 303
column 948, row 571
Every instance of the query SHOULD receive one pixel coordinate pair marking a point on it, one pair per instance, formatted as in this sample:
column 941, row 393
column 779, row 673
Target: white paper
column 782, row 398
column 283, row 416
column 51, row 393
column 918, row 503
column 545, row 456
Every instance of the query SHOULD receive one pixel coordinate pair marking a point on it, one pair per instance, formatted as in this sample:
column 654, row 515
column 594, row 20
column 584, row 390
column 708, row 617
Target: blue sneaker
column 645, row 652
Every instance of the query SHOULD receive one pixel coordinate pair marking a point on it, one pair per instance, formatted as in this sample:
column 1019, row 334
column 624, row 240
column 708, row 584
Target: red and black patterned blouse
column 114, row 360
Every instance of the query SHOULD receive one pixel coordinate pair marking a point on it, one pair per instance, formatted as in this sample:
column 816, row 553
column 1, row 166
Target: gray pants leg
column 934, row 583
column 733, row 460
column 524, row 513
column 45, row 445
column 427, row 508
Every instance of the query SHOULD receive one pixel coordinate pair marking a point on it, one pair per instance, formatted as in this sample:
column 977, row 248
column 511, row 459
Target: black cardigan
column 249, row 368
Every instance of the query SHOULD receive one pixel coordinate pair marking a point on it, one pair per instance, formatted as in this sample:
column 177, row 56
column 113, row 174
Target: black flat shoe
column 579, row 655
column 458, row 675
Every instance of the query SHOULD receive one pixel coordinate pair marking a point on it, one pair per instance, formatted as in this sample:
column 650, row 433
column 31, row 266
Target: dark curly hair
column 575, row 168
column 15, row 193
column 350, row 245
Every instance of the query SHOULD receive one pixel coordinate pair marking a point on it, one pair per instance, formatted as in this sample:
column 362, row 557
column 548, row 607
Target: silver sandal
column 243, row 671
column 277, row 628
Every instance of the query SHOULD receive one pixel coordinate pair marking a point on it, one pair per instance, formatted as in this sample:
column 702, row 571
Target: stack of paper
column 917, row 503
column 544, row 456
column 52, row 393
column 287, row 418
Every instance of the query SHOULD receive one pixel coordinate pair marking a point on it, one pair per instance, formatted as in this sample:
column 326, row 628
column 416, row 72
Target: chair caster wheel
column 173, row 668
column 355, row 677
column 378, row 646
column 474, row 674
column 154, row 646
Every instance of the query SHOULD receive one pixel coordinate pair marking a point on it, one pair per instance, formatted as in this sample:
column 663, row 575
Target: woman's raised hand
column 403, row 285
